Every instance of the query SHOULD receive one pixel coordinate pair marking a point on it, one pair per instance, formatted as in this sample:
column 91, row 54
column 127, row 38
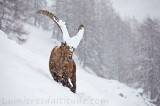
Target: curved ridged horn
column 75, row 40
column 51, row 16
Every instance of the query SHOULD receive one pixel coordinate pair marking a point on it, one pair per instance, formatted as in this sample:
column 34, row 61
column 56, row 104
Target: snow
column 25, row 78
column 64, row 29
column 75, row 40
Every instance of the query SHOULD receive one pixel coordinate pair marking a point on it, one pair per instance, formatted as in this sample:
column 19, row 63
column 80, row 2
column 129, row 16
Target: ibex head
column 67, row 51
column 72, row 42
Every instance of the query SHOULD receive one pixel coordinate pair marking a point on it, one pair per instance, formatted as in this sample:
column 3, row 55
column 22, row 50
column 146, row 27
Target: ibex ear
column 71, row 49
column 62, row 43
column 65, row 43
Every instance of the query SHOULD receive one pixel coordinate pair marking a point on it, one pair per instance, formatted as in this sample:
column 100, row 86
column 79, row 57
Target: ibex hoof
column 73, row 90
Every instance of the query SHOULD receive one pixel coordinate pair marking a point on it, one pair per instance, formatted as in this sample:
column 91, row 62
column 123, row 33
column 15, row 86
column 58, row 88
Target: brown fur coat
column 63, row 67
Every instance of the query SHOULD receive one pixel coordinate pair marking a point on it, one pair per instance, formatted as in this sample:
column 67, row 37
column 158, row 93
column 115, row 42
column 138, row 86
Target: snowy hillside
column 25, row 78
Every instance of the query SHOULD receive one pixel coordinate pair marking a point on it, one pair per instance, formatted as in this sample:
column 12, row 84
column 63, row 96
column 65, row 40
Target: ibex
column 61, row 65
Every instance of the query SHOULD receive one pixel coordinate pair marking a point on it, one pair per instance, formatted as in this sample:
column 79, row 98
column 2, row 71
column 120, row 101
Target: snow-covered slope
column 25, row 78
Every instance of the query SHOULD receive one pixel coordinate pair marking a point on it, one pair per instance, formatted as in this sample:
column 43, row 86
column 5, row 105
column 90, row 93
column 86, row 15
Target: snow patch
column 25, row 78
column 75, row 40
